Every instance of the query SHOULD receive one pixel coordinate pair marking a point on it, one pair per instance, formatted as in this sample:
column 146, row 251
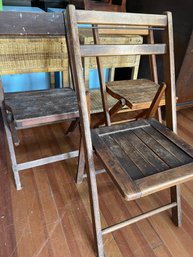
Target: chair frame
column 77, row 52
column 51, row 27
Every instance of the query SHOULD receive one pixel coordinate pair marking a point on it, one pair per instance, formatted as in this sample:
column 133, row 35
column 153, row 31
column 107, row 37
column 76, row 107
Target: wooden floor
column 50, row 217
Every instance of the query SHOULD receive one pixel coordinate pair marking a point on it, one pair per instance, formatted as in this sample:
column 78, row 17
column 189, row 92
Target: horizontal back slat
column 113, row 50
column 94, row 17
column 30, row 23
column 110, row 30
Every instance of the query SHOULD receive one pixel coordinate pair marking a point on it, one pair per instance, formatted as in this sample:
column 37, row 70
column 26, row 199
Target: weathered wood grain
column 146, row 153
column 34, row 107
column 120, row 19
column 31, row 23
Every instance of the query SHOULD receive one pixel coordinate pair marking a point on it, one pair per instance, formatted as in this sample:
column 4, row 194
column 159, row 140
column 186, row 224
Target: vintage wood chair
column 142, row 157
column 34, row 42
column 117, row 96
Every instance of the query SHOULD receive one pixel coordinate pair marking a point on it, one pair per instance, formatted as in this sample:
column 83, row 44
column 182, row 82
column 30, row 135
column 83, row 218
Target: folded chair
column 125, row 95
column 141, row 157
column 128, row 95
column 31, row 42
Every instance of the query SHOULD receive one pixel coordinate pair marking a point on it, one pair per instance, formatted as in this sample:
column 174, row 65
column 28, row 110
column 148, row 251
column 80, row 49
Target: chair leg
column 14, row 134
column 117, row 107
column 12, row 152
column 96, row 221
column 176, row 211
column 81, row 163
column 155, row 103
column 159, row 115
column 72, row 126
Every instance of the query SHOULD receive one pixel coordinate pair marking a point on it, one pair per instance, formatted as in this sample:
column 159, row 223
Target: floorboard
column 51, row 217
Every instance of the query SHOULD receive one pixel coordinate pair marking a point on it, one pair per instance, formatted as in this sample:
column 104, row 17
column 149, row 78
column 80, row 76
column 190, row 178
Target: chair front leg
column 81, row 163
column 11, row 151
column 176, row 211
column 72, row 126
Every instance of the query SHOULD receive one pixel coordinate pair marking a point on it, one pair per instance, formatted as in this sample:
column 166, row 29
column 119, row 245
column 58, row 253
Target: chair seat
column 138, row 94
column 43, row 106
column 143, row 157
column 96, row 101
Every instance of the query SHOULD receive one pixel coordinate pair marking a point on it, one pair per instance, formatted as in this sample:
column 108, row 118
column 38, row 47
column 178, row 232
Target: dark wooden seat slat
column 165, row 155
column 145, row 159
column 180, row 144
column 44, row 103
column 124, row 159
column 140, row 152
column 168, row 151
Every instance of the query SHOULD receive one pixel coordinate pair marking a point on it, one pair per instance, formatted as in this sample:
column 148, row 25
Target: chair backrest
column 77, row 52
column 161, row 23
column 32, row 42
column 109, row 37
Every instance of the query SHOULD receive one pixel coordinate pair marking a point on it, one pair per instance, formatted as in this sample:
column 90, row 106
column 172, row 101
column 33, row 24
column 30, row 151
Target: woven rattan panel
column 32, row 54
column 111, row 62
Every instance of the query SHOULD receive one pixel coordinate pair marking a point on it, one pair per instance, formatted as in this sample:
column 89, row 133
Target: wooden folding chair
column 142, row 157
column 31, row 42
column 125, row 95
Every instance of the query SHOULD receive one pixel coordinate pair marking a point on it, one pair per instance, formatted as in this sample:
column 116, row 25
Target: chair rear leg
column 81, row 158
column 114, row 110
column 176, row 211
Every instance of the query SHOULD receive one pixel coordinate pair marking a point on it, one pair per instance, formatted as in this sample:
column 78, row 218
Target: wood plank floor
column 50, row 217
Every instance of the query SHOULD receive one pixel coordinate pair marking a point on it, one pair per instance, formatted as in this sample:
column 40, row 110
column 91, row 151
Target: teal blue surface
column 94, row 78
column 22, row 9
column 55, row 10
column 28, row 81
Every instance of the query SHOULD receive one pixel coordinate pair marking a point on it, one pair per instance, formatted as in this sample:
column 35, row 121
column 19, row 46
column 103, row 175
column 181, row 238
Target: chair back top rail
column 131, row 19
column 31, row 23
